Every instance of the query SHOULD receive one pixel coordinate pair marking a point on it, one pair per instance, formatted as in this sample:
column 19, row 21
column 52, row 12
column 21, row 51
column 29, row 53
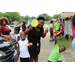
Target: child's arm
column 17, row 51
column 55, row 40
column 17, row 40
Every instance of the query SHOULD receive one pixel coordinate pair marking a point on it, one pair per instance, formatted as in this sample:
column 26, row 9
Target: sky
column 38, row 13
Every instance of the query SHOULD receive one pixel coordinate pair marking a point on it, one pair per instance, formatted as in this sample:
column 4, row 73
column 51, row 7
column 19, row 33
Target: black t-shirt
column 34, row 37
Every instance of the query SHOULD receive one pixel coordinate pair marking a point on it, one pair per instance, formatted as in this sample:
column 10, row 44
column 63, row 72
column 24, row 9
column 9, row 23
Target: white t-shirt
column 51, row 25
column 23, row 48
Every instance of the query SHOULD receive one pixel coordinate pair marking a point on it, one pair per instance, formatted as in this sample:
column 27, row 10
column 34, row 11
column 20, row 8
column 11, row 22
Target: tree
column 13, row 16
column 26, row 18
column 2, row 14
column 56, row 16
column 33, row 17
column 46, row 16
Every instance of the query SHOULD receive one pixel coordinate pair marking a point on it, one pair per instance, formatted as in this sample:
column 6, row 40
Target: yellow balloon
column 34, row 22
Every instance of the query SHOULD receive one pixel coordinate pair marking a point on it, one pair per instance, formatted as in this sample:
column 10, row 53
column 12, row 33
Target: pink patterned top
column 73, row 29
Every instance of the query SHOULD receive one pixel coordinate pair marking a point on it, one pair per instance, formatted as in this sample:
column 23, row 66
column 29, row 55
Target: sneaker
column 51, row 40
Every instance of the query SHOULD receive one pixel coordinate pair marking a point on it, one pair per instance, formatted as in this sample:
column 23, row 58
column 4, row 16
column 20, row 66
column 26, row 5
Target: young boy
column 24, row 54
column 56, row 26
column 55, row 55
column 51, row 31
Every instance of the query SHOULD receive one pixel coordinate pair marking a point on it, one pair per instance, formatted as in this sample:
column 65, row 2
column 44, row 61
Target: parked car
column 7, row 52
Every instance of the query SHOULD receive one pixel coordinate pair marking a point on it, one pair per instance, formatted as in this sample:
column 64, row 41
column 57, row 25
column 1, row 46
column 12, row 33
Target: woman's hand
column 30, row 28
column 2, row 35
column 46, row 31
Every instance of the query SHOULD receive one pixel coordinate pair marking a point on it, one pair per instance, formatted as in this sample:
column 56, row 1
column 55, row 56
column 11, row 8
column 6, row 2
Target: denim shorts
column 73, row 45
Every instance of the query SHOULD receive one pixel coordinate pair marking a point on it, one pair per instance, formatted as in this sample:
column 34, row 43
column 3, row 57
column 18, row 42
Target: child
column 56, row 27
column 61, row 30
column 55, row 55
column 16, row 31
column 24, row 54
column 51, row 31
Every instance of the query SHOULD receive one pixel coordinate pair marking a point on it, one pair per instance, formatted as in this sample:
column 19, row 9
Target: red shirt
column 4, row 31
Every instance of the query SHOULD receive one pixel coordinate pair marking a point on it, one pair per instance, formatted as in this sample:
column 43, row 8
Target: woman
column 73, row 30
column 4, row 30
column 34, row 35
column 24, row 26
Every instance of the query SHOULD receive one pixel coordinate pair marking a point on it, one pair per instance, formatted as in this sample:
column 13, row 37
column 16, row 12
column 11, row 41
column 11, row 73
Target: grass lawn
column 64, row 42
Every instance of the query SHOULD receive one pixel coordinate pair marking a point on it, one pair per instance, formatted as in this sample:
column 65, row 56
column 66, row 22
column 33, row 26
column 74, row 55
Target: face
column 4, row 22
column 22, row 35
column 41, row 23
column 57, row 21
column 24, row 22
column 15, row 31
column 61, row 49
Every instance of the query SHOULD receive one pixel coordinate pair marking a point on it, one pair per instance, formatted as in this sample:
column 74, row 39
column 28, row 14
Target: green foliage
column 15, row 16
column 46, row 16
column 56, row 16
column 12, row 16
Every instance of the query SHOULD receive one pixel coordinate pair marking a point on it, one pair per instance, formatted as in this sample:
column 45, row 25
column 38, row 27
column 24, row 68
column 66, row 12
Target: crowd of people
column 29, row 53
column 58, row 26
column 34, row 36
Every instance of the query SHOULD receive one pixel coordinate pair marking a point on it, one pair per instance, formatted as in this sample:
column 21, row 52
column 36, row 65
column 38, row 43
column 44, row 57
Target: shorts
column 51, row 32
column 59, row 31
column 24, row 59
column 73, row 45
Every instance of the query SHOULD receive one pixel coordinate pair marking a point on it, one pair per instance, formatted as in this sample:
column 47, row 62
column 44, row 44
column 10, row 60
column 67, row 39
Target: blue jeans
column 73, row 45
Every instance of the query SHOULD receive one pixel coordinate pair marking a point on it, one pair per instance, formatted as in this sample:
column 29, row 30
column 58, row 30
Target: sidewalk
column 68, row 56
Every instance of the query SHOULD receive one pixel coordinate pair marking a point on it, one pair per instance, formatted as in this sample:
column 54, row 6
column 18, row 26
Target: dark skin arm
column 73, row 34
column 44, row 33
column 17, row 52
column 55, row 40
column 17, row 40
column 28, row 30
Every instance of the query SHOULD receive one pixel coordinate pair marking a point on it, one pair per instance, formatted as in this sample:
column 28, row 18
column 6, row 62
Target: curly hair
column 4, row 18
column 40, row 18
column 73, row 20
